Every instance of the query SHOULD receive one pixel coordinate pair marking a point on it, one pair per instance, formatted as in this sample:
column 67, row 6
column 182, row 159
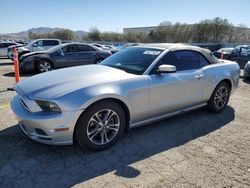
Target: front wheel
column 100, row 126
column 219, row 98
column 44, row 66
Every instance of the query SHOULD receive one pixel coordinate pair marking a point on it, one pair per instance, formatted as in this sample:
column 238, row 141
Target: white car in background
column 4, row 46
column 109, row 48
column 38, row 45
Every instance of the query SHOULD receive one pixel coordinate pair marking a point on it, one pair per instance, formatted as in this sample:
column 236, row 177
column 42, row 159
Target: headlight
column 20, row 50
column 48, row 106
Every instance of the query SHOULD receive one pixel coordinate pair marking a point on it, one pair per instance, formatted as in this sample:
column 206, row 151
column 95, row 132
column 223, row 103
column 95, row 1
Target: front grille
column 40, row 132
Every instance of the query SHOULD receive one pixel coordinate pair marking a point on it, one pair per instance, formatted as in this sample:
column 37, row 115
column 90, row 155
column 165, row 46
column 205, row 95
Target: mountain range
column 40, row 30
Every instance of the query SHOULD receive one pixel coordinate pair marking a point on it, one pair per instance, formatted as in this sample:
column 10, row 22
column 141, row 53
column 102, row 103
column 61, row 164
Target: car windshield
column 133, row 60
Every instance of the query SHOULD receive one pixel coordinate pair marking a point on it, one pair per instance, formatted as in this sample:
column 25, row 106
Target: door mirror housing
column 60, row 52
column 35, row 45
column 166, row 69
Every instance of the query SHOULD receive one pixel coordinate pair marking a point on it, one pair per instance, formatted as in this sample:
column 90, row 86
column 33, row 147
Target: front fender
column 134, row 93
column 83, row 98
column 105, row 96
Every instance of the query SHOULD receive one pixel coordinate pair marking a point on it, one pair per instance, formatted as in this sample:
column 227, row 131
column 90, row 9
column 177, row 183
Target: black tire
column 85, row 123
column 44, row 66
column 97, row 61
column 216, row 102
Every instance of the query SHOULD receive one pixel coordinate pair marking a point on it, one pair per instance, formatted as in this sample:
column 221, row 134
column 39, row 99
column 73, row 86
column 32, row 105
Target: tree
column 161, row 33
column 215, row 30
column 180, row 33
column 168, row 32
column 219, row 29
column 64, row 34
column 202, row 31
column 94, row 34
column 111, row 36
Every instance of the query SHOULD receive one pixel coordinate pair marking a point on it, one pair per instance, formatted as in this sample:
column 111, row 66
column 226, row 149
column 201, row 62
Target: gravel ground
column 198, row 149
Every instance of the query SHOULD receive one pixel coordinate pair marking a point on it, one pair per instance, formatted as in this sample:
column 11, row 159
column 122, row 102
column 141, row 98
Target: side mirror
column 166, row 69
column 35, row 45
column 60, row 52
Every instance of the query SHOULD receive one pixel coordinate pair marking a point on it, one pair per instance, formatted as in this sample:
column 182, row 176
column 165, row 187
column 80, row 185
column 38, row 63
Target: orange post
column 222, row 55
column 16, row 65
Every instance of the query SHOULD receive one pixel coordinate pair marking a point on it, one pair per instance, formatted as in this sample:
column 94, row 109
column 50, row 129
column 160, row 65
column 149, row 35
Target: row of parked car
column 240, row 54
column 43, row 55
column 63, row 55
column 6, row 48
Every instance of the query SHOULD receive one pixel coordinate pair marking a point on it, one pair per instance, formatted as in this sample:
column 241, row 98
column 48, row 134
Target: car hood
column 56, row 83
column 33, row 53
column 23, row 48
column 16, row 45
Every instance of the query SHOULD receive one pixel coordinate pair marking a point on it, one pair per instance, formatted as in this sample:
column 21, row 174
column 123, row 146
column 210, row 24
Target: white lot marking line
column 6, row 105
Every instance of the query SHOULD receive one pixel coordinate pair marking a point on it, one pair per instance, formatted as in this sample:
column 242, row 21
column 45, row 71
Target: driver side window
column 245, row 52
column 40, row 43
column 69, row 49
column 167, row 59
column 183, row 60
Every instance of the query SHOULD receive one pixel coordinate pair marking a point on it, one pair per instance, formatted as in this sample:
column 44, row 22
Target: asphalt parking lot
column 198, row 149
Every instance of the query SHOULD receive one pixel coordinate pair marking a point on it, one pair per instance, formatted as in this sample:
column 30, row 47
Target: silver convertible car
column 93, row 105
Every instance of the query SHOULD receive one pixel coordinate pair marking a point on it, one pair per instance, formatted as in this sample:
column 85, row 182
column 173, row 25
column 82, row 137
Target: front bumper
column 10, row 54
column 42, row 127
column 27, row 66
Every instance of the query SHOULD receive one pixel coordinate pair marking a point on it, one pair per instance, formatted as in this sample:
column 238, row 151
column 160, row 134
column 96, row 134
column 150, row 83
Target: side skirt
column 148, row 121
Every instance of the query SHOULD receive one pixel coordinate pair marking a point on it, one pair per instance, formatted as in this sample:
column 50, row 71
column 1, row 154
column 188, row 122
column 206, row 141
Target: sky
column 114, row 15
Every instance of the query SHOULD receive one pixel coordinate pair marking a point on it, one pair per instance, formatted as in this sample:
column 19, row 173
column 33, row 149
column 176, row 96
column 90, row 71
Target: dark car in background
column 247, row 70
column 38, row 45
column 225, row 51
column 63, row 55
column 241, row 54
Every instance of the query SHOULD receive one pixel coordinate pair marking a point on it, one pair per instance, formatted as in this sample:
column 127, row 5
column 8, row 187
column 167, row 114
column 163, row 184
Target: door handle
column 199, row 76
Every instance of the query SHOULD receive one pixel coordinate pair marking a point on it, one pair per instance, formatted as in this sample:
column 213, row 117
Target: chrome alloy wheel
column 45, row 66
column 103, row 126
column 221, row 97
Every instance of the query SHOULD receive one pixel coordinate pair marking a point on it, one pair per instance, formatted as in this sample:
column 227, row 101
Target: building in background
column 145, row 30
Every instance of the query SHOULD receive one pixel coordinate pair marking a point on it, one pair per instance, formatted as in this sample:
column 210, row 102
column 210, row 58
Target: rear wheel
column 100, row 126
column 219, row 98
column 44, row 66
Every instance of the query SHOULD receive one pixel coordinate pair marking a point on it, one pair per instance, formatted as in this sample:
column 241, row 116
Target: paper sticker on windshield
column 152, row 52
